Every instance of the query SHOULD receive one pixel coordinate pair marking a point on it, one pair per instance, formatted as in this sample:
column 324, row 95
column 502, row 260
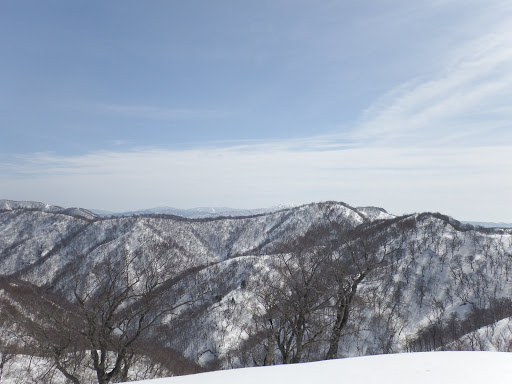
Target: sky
column 127, row 104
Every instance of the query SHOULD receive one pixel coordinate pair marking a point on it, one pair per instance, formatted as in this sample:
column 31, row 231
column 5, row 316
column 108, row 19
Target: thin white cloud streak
column 465, row 183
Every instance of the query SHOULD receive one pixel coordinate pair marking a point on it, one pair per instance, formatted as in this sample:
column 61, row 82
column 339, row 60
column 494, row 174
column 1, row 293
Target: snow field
column 417, row 368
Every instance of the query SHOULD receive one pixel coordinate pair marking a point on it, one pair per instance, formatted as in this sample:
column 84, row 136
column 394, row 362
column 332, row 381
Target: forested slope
column 163, row 294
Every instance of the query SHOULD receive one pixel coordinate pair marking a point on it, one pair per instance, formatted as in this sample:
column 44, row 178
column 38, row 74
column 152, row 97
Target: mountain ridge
column 434, row 282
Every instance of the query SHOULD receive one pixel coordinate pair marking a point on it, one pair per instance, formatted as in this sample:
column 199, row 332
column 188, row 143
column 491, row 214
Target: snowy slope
column 417, row 368
column 375, row 213
column 10, row 205
column 496, row 337
column 36, row 243
column 444, row 270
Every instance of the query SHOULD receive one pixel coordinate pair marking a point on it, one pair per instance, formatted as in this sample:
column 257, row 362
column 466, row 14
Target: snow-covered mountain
column 36, row 241
column 427, row 281
column 10, row 205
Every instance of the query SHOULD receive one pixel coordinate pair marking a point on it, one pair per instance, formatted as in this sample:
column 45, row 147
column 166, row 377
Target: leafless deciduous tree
column 306, row 292
column 293, row 298
column 101, row 324
column 352, row 256
column 8, row 342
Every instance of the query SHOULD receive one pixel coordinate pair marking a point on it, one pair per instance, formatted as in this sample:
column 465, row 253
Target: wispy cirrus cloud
column 467, row 102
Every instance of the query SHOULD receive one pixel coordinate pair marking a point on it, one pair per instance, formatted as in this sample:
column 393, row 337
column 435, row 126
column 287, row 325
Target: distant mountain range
column 489, row 224
column 196, row 213
column 204, row 212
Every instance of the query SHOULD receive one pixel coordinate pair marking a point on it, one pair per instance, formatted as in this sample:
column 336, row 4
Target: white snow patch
column 418, row 368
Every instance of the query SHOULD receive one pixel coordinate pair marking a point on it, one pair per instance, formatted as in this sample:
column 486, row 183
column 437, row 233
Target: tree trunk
column 270, row 350
column 68, row 376
column 339, row 324
column 342, row 311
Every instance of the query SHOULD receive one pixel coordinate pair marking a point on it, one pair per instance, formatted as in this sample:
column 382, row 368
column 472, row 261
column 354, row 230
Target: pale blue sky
column 121, row 105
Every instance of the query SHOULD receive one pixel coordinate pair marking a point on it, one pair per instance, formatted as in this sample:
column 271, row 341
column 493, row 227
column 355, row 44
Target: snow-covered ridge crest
column 375, row 213
column 11, row 205
column 417, row 368
column 367, row 213
column 39, row 236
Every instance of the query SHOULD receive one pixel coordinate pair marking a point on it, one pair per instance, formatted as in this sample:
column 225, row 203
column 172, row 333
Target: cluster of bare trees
column 98, row 324
column 447, row 334
column 306, row 295
column 102, row 321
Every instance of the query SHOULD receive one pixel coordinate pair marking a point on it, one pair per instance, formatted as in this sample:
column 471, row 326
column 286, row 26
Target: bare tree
column 8, row 341
column 102, row 323
column 293, row 296
column 352, row 256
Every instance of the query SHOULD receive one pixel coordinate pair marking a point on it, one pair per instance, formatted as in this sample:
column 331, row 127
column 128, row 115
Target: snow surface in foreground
column 417, row 368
